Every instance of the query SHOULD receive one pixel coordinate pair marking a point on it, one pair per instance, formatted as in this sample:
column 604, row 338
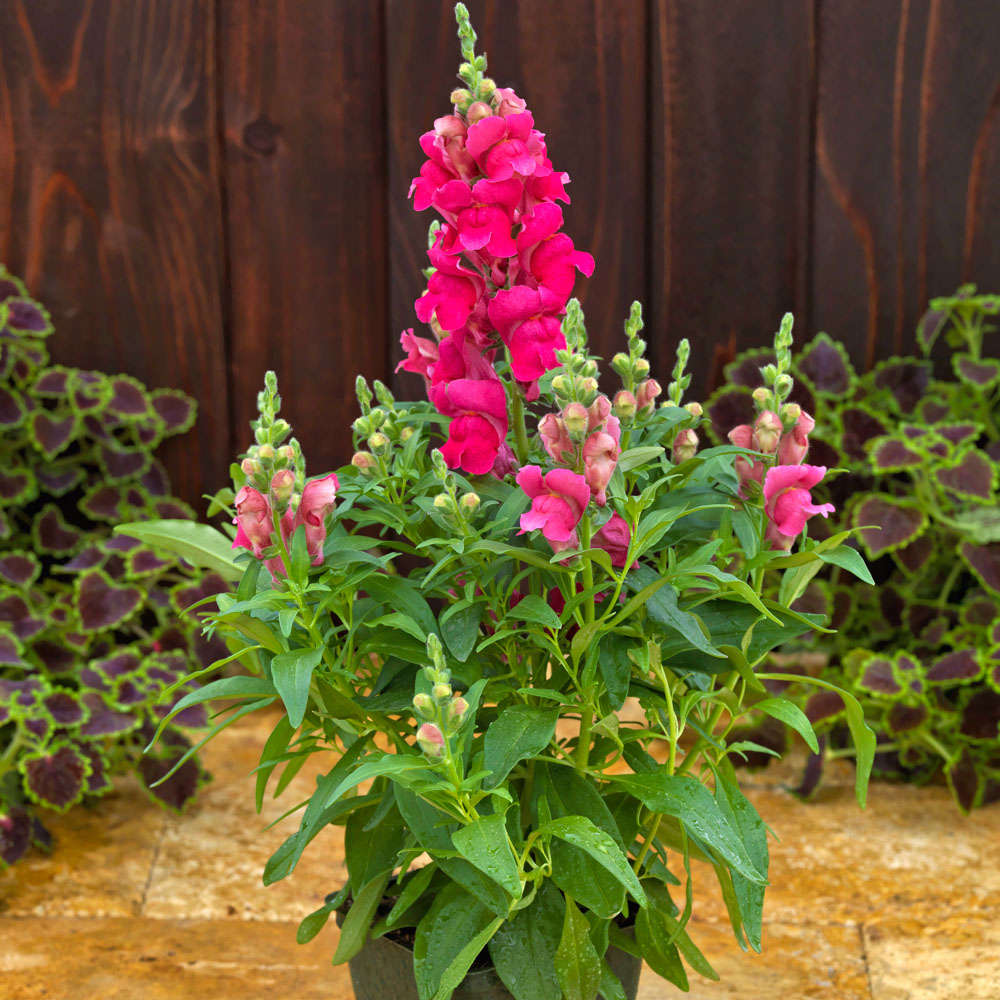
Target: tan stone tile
column 211, row 860
column 952, row 959
column 138, row 959
column 909, row 853
column 100, row 864
column 797, row 963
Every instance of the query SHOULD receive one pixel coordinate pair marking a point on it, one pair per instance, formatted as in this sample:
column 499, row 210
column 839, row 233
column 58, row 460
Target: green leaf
column 534, row 609
column 394, row 765
column 359, row 919
column 519, row 732
column 485, row 844
column 199, row 544
column 413, row 889
column 615, row 666
column 577, row 964
column 462, row 962
column 632, row 458
column 397, row 620
column 688, row 800
column 524, row 947
column 661, row 607
column 443, row 935
column 582, row 833
column 275, row 745
column 314, row 922
column 849, row 559
column 660, row 953
column 791, row 715
column 460, row 629
column 401, row 595
column 292, row 674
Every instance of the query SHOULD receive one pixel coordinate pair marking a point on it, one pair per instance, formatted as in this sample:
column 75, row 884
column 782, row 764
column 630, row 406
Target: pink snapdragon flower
column 547, row 256
column 479, row 424
column 788, row 502
column 505, row 145
column 453, row 292
column 531, row 330
column 421, row 356
column 556, row 439
column 746, row 469
column 614, row 536
column 558, row 500
column 795, row 443
column 601, row 452
column 318, row 498
column 482, row 217
column 254, row 521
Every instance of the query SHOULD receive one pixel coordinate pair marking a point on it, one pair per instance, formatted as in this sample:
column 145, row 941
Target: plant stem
column 582, row 755
column 517, row 418
column 588, row 568
column 647, row 843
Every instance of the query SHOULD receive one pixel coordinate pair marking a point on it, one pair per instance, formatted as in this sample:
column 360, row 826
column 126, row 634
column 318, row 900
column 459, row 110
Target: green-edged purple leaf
column 58, row 480
column 155, row 481
column 930, row 327
column 182, row 786
column 962, row 665
column 98, row 781
column 860, row 427
column 127, row 694
column 824, row 362
column 28, row 627
column 208, row 585
column 144, row 562
column 19, row 569
column 982, row 374
column 122, row 544
column 88, row 392
column 52, row 382
column 15, row 835
column 11, row 286
column 12, row 408
column 176, row 409
column 40, row 725
column 913, row 557
column 121, row 664
column 53, row 432
column 10, row 650
column 173, row 510
column 973, row 476
column 54, row 657
column 932, row 410
column 879, row 677
column 105, row 721
column 744, row 370
column 28, row 316
column 16, row 486
column 95, row 427
column 824, row 705
column 902, row 718
column 964, row 781
column 56, row 779
column 958, row 433
column 103, row 502
column 122, row 463
column 13, row 608
column 128, row 398
column 981, row 611
column 51, row 534
column 148, row 433
column 892, row 455
column 192, row 717
column 65, row 707
column 729, row 408
column 22, row 693
column 136, row 500
column 86, row 558
column 984, row 561
column 906, row 380
column 981, row 715
column 100, row 604
column 898, row 523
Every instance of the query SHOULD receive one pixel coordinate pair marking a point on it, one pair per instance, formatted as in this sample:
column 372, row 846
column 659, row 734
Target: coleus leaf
column 824, row 705
column 123, row 463
column 906, row 380
column 956, row 667
column 964, row 780
column 981, row 611
column 860, row 426
column 53, row 656
column 122, row 663
column 100, row 604
column 890, row 454
column 176, row 409
column 729, row 408
column 55, row 779
column 53, row 432
column 53, row 382
column 51, row 534
column 86, row 558
column 13, row 408
column 973, row 476
column 155, row 481
column 824, row 363
column 902, row 718
column 958, row 434
column 19, row 569
column 982, row 374
column 128, row 398
column 15, row 835
column 913, row 558
column 931, row 324
column 25, row 315
column 181, row 787
column 98, row 781
column 65, row 707
column 981, row 714
column 744, row 370
column 898, row 523
column 11, row 649
column 104, row 721
column 103, row 502
column 984, row 561
column 58, row 480
column 878, row 676
column 16, row 486
column 145, row 561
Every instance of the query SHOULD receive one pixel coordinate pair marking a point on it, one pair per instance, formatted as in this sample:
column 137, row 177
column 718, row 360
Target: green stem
column 949, row 582
column 588, row 568
column 582, row 756
column 517, row 418
column 647, row 843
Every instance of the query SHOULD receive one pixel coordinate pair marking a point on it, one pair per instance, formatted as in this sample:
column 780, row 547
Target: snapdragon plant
column 455, row 621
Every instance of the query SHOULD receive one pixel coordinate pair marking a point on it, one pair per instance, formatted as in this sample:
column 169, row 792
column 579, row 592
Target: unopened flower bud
column 443, row 502
column 695, row 409
column 621, row 364
column 406, row 433
column 761, row 396
column 589, row 385
column 767, row 430
column 364, row 462
column 470, row 502
column 280, row 427
column 282, row 485
column 460, row 97
column 646, row 394
column 449, row 126
column 790, row 414
column 478, row 111
column 685, row 446
column 266, row 453
column 559, row 383
column 250, row 467
column 625, row 405
column 487, row 84
column 362, row 426
column 378, row 443
column 441, row 691
column 423, row 705
column 640, row 367
column 455, row 714
column 783, row 384
column 590, row 368
column 575, row 418
column 286, row 452
column 431, row 740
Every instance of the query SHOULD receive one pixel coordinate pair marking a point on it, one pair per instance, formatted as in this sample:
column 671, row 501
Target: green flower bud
column 470, row 503
column 441, row 691
column 640, row 368
column 286, row 452
column 443, row 502
column 695, row 409
column 364, row 462
column 423, row 705
column 266, row 453
column 625, row 405
column 406, row 433
column 576, row 418
column 378, row 443
column 621, row 364
column 761, row 396
column 431, row 740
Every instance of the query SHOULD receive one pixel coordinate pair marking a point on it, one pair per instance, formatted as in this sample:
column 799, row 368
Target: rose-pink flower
column 548, row 255
column 421, row 355
column 743, row 437
column 531, row 332
column 556, row 439
column 479, row 427
column 558, row 501
column 453, row 291
column 482, row 217
column 601, row 452
column 254, row 521
column 500, row 145
column 795, row 443
column 614, row 536
column 787, row 500
column 318, row 497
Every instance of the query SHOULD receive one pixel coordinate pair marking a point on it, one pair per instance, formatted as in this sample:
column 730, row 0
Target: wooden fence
column 202, row 189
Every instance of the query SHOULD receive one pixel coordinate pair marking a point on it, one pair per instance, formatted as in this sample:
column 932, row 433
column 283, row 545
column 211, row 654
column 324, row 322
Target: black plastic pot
column 383, row 970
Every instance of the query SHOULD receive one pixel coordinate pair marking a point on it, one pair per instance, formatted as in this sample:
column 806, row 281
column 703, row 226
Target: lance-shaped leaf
column 199, row 544
column 906, row 380
column 523, row 950
column 896, row 523
column 100, row 604
column 51, row 534
column 55, row 779
column 577, row 964
column 972, row 476
column 984, row 561
column 824, row 362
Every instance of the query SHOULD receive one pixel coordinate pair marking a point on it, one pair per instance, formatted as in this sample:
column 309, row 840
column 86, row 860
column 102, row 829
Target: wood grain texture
column 908, row 165
column 306, row 193
column 582, row 68
column 731, row 87
column 109, row 195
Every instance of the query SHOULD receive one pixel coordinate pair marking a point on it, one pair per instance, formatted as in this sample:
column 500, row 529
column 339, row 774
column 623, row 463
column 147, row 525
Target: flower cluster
column 501, row 272
column 440, row 710
column 780, row 437
column 276, row 500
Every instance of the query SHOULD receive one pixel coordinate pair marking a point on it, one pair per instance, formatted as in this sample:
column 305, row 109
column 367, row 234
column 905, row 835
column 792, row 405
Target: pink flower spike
column 531, row 332
column 558, row 501
column 255, row 524
column 318, row 498
column 787, row 500
column 795, row 443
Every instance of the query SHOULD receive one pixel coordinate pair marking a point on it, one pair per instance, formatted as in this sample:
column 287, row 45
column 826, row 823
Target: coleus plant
column 453, row 622
column 90, row 625
column 921, row 453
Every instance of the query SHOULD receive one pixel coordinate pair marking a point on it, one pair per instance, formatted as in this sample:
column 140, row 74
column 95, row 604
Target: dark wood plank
column 305, row 189
column 731, row 87
column 109, row 198
column 582, row 68
column 908, row 165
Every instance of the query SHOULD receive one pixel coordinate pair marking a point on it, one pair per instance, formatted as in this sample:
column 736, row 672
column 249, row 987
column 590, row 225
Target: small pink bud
column 286, row 452
column 556, row 438
column 423, row 705
column 450, row 126
column 469, row 502
column 767, row 429
column 364, row 462
column 441, row 691
column 598, row 413
column 685, row 445
column 250, row 467
column 478, row 111
column 625, row 405
column 695, row 409
column 282, row 485
column 431, row 740
column 454, row 715
column 646, row 394
column 575, row 417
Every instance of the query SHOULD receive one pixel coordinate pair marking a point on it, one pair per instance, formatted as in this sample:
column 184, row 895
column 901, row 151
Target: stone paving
column 900, row 902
